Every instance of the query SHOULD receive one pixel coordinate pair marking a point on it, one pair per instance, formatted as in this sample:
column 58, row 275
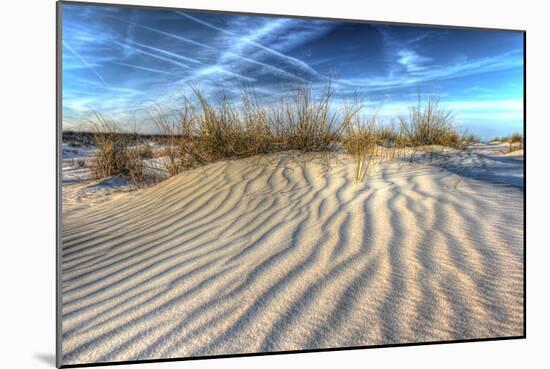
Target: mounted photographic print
column 243, row 184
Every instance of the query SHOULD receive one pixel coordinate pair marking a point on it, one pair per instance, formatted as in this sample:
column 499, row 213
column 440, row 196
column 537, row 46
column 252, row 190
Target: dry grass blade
column 116, row 154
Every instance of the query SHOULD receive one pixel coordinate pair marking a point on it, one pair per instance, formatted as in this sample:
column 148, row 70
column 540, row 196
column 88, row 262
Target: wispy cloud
column 412, row 61
column 422, row 74
column 426, row 35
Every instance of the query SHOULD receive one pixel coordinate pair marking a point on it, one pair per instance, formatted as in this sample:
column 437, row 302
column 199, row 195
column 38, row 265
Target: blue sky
column 119, row 60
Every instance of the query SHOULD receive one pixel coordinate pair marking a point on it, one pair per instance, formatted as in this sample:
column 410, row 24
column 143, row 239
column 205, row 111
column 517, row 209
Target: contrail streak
column 207, row 71
column 304, row 66
column 211, row 48
column 152, row 55
column 144, row 68
column 165, row 52
column 73, row 51
column 173, row 36
column 200, row 44
column 272, row 67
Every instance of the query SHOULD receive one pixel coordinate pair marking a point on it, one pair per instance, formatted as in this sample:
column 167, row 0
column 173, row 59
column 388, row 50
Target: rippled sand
column 273, row 254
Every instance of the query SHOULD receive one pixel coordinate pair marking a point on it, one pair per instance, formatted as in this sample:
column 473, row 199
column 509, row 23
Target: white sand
column 246, row 256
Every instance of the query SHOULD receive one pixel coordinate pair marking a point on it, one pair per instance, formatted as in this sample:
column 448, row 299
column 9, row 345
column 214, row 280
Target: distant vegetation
column 192, row 135
column 514, row 141
column 470, row 138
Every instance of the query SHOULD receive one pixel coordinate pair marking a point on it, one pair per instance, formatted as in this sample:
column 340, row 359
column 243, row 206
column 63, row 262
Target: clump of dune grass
column 300, row 121
column 115, row 155
column 392, row 139
column 227, row 131
column 470, row 138
column 362, row 141
column 430, row 125
column 176, row 139
column 308, row 123
column 426, row 127
column 219, row 130
column 259, row 136
column 515, row 142
column 145, row 151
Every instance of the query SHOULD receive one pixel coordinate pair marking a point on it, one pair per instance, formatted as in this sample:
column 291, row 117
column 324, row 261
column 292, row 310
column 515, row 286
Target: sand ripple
column 245, row 256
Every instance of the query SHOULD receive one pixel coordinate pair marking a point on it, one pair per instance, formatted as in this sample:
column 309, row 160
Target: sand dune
column 273, row 254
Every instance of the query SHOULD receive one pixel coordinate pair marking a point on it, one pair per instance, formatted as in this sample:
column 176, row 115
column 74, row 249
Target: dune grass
column 175, row 127
column 427, row 126
column 206, row 131
column 117, row 153
column 514, row 141
column 362, row 141
column 299, row 121
column 470, row 138
column 430, row 125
